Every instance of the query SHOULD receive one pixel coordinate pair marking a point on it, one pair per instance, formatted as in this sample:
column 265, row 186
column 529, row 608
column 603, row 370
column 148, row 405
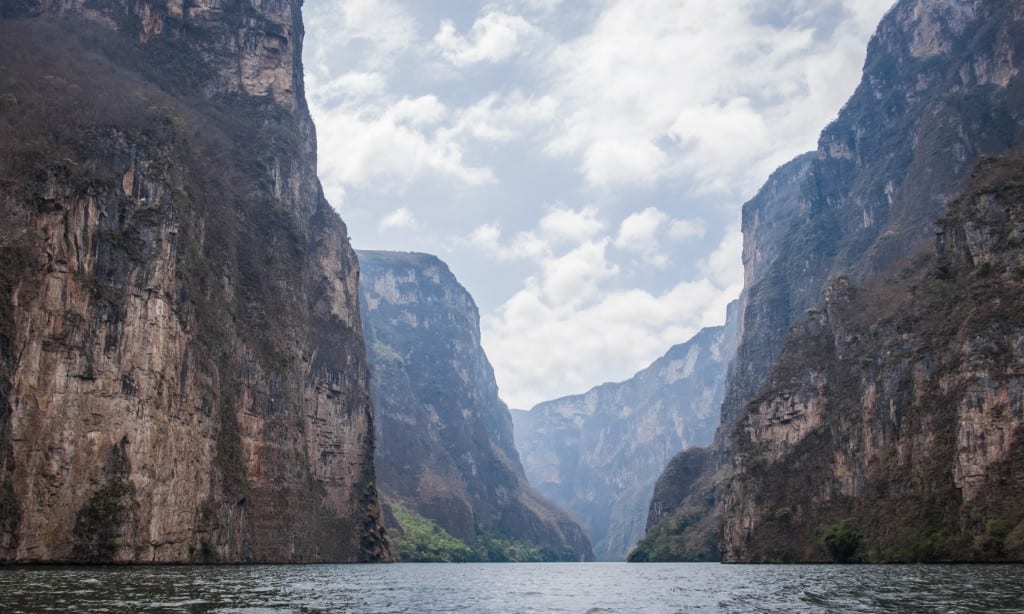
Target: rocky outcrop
column 182, row 371
column 941, row 88
column 445, row 448
column 598, row 454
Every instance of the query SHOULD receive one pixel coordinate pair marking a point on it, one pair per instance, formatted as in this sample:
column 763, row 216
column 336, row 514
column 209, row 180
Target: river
column 597, row 587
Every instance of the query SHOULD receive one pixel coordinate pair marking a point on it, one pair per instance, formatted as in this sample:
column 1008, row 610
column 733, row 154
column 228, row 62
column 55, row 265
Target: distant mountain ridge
column 444, row 438
column 599, row 453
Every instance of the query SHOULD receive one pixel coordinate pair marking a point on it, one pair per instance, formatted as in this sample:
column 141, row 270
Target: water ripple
column 527, row 588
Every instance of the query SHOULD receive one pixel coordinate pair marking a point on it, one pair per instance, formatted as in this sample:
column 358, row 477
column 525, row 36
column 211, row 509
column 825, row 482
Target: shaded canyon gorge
column 197, row 367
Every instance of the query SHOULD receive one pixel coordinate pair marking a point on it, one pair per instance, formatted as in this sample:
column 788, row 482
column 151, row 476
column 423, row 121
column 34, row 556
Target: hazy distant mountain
column 598, row 454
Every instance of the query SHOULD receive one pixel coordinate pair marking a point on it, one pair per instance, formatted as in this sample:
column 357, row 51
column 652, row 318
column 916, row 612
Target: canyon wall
column 444, row 437
column 788, row 474
column 182, row 370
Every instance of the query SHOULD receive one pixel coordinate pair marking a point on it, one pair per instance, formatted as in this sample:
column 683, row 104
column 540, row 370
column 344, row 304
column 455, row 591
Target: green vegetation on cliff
column 420, row 540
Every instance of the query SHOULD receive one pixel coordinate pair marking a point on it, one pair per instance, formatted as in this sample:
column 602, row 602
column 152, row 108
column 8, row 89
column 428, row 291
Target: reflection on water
column 598, row 587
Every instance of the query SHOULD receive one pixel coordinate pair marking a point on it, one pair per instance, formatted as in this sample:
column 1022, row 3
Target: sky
column 580, row 165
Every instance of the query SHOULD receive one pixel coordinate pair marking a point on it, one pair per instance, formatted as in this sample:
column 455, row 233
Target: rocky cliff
column 894, row 415
column 598, row 454
column 182, row 371
column 444, row 438
column 941, row 89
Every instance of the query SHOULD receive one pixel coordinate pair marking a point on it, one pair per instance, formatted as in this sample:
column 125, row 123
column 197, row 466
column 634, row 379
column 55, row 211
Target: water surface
column 569, row 587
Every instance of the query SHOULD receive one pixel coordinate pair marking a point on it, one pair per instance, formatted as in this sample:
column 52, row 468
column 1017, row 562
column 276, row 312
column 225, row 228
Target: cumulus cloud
column 495, row 37
column 721, row 265
column 709, row 91
column 640, row 230
column 571, row 224
column 559, row 226
column 502, row 118
column 574, row 278
column 383, row 28
column 354, row 84
column 399, row 218
column 419, row 112
column 687, row 229
column 646, row 232
column 544, row 7
column 386, row 149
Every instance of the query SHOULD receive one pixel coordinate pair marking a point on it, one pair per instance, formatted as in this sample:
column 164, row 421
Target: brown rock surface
column 182, row 372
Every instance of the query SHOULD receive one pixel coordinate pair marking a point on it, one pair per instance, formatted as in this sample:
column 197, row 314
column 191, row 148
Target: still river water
column 598, row 587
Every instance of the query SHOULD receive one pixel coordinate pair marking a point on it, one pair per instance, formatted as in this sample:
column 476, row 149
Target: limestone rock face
column 598, row 454
column 941, row 90
column 444, row 438
column 182, row 370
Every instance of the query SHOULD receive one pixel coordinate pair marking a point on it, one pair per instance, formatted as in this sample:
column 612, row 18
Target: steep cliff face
column 444, row 438
column 941, row 88
column 598, row 454
column 684, row 513
column 182, row 372
column 895, row 413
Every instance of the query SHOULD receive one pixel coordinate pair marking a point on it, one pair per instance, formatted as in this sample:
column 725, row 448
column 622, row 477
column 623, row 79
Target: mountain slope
column 599, row 453
column 182, row 371
column 445, row 447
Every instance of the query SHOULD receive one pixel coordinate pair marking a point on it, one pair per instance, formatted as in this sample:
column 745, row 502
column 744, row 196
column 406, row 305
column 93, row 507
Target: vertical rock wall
column 183, row 373
column 941, row 90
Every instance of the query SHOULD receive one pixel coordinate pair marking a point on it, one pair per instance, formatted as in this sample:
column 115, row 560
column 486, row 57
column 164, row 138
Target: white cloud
column 570, row 224
column 687, row 229
column 495, row 37
column 645, row 232
column 623, row 161
column 382, row 27
column 399, row 218
column 387, row 149
column 486, row 236
column 543, row 7
column 575, row 277
column 354, row 84
column 422, row 111
column 706, row 91
column 557, row 227
column 524, row 245
column 724, row 264
column 639, row 231
column 502, row 118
